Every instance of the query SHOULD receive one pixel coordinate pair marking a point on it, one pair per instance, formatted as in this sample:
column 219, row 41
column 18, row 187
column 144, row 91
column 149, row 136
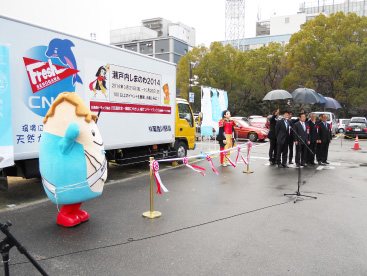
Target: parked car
column 354, row 129
column 245, row 131
column 258, row 122
column 358, row 120
column 331, row 119
column 342, row 125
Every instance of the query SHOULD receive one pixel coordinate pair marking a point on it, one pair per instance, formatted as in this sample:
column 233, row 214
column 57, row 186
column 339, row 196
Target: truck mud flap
column 3, row 181
column 30, row 168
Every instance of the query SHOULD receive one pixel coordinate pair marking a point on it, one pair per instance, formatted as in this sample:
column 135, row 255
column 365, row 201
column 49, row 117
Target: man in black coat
column 312, row 138
column 282, row 136
column 318, row 145
column 301, row 139
column 324, row 137
column 291, row 137
column 273, row 138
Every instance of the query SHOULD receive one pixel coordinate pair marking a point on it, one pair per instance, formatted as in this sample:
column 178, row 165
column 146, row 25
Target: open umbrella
column 331, row 103
column 306, row 96
column 278, row 94
column 323, row 101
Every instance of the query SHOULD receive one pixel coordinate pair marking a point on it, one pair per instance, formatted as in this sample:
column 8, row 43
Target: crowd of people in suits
column 310, row 135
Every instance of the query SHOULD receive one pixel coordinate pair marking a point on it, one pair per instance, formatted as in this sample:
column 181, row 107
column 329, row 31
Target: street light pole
column 190, row 80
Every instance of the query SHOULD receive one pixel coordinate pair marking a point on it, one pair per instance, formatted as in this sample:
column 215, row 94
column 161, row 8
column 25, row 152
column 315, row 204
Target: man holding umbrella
column 282, row 136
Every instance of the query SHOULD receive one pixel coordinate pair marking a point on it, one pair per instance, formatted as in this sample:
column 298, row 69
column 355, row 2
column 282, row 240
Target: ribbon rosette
column 308, row 130
column 230, row 161
column 193, row 167
column 317, row 129
column 155, row 168
column 209, row 159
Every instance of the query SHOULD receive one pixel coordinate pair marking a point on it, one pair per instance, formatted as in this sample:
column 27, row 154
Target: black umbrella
column 278, row 94
column 331, row 103
column 306, row 96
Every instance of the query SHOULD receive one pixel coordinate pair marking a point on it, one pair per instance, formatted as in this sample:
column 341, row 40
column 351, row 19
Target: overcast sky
column 82, row 17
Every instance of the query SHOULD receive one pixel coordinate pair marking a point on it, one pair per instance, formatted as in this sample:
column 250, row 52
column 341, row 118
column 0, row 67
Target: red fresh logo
column 42, row 74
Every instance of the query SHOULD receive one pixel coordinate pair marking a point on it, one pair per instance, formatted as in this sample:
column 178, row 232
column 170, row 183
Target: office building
column 156, row 37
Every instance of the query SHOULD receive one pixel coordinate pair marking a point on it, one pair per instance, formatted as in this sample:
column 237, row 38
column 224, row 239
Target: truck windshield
column 184, row 112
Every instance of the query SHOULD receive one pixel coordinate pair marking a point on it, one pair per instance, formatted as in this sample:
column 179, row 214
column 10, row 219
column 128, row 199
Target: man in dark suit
column 324, row 137
column 301, row 139
column 312, row 138
column 291, row 139
column 282, row 135
column 318, row 144
column 273, row 138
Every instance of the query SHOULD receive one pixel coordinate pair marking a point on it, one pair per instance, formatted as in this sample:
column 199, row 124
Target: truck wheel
column 181, row 150
column 341, row 130
column 252, row 137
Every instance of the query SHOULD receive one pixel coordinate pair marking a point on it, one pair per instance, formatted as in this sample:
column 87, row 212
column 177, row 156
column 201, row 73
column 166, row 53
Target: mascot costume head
column 72, row 157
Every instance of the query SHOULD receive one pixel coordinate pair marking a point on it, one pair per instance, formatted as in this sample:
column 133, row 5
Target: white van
column 331, row 119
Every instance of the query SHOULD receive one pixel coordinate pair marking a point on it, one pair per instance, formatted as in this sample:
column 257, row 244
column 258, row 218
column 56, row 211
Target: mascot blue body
column 68, row 156
column 72, row 158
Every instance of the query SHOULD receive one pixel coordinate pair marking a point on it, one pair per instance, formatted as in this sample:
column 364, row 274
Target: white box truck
column 135, row 93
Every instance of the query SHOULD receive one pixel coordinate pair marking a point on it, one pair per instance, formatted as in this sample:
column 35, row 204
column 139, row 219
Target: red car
column 258, row 122
column 245, row 131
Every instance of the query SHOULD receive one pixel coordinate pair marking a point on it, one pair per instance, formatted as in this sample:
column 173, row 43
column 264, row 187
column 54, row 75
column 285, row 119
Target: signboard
column 213, row 103
column 191, row 97
column 134, row 86
column 6, row 136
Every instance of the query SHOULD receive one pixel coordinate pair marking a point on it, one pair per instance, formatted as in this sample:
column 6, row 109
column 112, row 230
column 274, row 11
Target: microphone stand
column 298, row 193
column 7, row 243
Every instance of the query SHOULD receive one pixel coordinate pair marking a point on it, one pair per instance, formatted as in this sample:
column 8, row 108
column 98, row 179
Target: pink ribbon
column 155, row 168
column 244, row 160
column 209, row 159
column 238, row 154
column 230, row 161
column 193, row 167
column 250, row 144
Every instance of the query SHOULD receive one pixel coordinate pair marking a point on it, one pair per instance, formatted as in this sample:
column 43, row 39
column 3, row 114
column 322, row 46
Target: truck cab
column 185, row 128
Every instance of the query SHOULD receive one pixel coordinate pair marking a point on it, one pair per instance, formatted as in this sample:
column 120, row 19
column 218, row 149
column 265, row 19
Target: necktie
column 286, row 125
column 304, row 127
column 325, row 125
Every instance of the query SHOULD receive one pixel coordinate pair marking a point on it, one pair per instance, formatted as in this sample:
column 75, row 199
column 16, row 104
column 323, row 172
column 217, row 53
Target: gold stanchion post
column 248, row 161
column 151, row 214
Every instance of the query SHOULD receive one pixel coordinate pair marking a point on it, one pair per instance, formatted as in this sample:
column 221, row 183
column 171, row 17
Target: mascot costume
column 226, row 136
column 72, row 157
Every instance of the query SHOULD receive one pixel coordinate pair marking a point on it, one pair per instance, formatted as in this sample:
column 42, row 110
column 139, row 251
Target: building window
column 287, row 20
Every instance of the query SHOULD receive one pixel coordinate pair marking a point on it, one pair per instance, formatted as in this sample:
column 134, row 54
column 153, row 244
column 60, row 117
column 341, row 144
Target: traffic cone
column 356, row 144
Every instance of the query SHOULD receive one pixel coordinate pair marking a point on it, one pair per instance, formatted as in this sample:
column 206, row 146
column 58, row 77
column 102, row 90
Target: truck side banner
column 135, row 93
column 6, row 136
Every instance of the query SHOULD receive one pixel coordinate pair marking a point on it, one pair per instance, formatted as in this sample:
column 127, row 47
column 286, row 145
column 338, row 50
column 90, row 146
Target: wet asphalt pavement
column 231, row 224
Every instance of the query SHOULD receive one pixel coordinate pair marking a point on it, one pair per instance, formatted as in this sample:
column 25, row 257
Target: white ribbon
column 229, row 159
column 155, row 168
column 209, row 159
column 186, row 162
